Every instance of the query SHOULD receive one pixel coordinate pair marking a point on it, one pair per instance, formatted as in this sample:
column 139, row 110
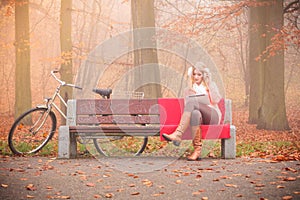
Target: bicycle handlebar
column 53, row 72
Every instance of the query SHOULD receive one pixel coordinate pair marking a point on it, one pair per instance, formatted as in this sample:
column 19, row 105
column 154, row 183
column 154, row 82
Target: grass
column 261, row 149
column 253, row 149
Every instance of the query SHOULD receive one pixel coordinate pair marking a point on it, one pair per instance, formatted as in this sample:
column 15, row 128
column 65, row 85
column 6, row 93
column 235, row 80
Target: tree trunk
column 66, row 50
column 272, row 114
column 257, row 44
column 22, row 44
column 146, row 72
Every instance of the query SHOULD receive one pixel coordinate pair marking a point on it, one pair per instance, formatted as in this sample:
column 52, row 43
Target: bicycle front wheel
column 32, row 131
column 120, row 145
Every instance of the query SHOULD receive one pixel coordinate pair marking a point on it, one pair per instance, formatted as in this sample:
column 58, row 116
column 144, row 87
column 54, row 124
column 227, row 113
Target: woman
column 195, row 111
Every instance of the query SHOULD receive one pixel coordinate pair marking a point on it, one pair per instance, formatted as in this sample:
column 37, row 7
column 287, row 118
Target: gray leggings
column 201, row 113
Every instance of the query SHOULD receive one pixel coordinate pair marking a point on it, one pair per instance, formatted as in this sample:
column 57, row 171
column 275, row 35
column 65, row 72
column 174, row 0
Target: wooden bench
column 135, row 117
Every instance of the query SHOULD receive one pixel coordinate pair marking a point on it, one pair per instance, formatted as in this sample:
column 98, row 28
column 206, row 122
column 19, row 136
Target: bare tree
column 267, row 99
column 142, row 17
column 22, row 45
column 257, row 44
column 66, row 49
column 272, row 113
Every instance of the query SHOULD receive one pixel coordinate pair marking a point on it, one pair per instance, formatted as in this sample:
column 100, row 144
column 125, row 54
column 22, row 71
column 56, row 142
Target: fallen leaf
column 29, row 196
column 237, row 175
column 196, row 193
column 260, row 185
column 80, row 172
column 290, row 169
column 97, row 196
column 186, row 173
column 133, row 175
column 280, row 186
column 231, row 185
column 65, row 197
column 49, row 188
column 289, row 179
column 224, row 177
column 287, row 197
column 158, row 194
column 30, row 187
column 120, row 190
column 106, row 175
column 147, row 183
column 135, row 193
column 90, row 184
column 18, row 170
column 4, row 185
column 198, row 176
column 258, row 193
column 296, row 192
column 109, row 195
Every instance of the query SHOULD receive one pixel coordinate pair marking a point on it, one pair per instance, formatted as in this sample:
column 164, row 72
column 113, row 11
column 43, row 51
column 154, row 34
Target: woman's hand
column 189, row 91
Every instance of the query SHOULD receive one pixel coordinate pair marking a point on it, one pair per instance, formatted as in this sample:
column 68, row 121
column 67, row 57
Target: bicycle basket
column 127, row 95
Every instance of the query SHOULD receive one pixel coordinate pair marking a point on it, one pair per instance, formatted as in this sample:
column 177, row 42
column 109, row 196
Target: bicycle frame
column 50, row 101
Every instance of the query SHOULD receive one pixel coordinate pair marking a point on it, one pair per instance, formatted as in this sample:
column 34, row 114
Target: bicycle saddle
column 103, row 92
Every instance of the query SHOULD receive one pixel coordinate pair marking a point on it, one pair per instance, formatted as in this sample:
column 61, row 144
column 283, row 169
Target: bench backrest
column 114, row 111
column 164, row 111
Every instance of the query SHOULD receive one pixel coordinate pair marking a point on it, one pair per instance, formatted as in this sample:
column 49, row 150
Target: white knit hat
column 199, row 65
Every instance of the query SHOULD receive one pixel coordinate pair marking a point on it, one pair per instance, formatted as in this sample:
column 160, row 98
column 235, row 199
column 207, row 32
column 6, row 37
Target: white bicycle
column 32, row 130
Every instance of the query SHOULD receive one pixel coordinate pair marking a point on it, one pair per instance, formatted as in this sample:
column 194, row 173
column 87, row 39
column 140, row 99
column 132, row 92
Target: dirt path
column 116, row 178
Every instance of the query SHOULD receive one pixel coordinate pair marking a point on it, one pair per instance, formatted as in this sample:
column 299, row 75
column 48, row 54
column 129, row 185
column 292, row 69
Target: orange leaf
column 289, row 179
column 90, row 184
column 231, row 185
column 30, row 187
column 109, row 195
column 65, row 197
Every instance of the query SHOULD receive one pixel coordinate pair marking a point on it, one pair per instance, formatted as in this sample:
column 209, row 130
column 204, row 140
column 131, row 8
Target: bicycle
column 33, row 129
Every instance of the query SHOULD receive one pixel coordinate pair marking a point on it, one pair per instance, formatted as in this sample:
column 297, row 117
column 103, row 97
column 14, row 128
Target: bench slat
column 117, row 106
column 118, row 119
column 114, row 130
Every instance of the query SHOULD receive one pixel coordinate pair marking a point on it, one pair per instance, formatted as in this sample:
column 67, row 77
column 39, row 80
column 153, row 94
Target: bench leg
column 67, row 145
column 228, row 146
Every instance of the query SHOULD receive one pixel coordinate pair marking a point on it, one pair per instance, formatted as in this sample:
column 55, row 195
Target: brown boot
column 183, row 125
column 196, row 155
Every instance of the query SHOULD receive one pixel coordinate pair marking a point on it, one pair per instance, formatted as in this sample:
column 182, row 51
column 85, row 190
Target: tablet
column 201, row 98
